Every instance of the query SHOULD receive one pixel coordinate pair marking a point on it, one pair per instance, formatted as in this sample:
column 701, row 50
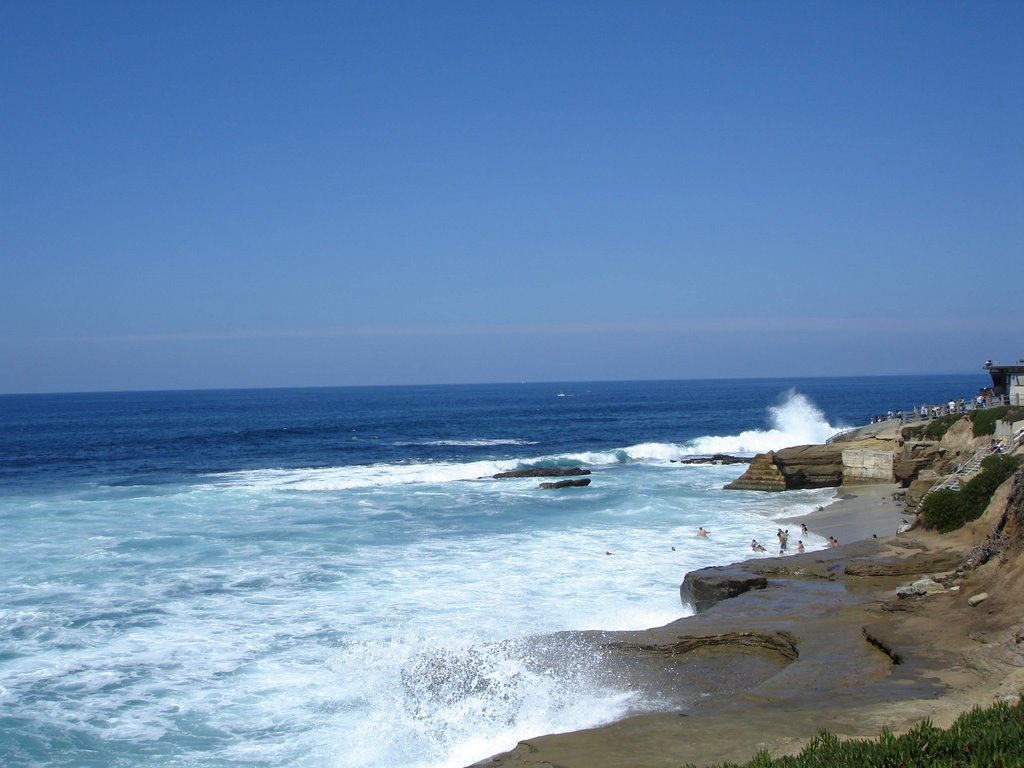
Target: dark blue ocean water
column 331, row 578
column 154, row 437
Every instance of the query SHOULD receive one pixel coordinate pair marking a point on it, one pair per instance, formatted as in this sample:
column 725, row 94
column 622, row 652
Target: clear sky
column 235, row 194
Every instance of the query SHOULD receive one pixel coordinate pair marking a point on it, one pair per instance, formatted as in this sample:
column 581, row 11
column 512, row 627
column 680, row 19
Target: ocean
column 332, row 578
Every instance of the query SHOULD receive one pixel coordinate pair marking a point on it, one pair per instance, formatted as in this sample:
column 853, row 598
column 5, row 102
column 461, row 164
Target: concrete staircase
column 962, row 473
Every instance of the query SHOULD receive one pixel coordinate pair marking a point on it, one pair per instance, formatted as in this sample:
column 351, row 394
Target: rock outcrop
column 762, row 475
column 565, row 484
column 718, row 458
column 802, row 466
column 542, row 472
column 707, row 586
column 915, row 457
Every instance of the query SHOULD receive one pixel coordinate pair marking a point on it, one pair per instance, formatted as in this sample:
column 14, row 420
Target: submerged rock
column 565, row 484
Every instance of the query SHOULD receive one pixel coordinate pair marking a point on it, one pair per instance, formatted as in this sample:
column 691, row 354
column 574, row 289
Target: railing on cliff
column 913, row 416
column 839, row 435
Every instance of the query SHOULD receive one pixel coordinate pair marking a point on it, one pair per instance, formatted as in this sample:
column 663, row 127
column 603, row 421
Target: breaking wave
column 796, row 421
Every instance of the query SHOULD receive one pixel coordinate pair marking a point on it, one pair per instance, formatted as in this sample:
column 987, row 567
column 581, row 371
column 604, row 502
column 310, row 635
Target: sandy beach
column 827, row 645
column 860, row 512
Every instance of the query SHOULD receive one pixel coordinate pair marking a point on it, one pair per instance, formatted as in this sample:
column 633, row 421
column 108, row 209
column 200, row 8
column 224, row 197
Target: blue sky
column 229, row 194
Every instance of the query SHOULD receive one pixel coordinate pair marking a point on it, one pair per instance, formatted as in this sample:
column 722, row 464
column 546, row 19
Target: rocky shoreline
column 882, row 632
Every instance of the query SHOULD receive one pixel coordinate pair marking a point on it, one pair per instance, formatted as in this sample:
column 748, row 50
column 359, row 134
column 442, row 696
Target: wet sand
column 860, row 512
column 827, row 645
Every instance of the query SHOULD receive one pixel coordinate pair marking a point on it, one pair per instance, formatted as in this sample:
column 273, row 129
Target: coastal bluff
column 827, row 465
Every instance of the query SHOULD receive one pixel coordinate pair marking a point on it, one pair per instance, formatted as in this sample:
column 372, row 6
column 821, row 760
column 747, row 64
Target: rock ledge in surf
column 565, row 484
column 542, row 472
column 707, row 586
column 718, row 458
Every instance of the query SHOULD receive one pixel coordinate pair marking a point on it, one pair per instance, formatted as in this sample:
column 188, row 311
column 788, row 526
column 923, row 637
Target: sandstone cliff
column 803, row 466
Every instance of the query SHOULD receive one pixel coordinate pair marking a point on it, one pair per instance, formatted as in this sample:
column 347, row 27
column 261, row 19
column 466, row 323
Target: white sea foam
column 375, row 475
column 797, row 421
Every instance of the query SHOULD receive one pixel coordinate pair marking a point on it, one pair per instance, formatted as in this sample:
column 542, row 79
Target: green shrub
column 977, row 492
column 943, row 511
column 947, row 510
column 991, row 737
column 984, row 420
column 938, row 427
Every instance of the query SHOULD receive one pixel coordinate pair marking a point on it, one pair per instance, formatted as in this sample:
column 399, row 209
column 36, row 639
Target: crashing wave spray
column 796, row 421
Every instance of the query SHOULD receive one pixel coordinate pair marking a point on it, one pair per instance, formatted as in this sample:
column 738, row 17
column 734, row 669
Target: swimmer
column 702, row 533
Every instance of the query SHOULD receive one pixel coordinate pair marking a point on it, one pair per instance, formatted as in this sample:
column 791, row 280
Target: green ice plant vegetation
column 991, row 737
column 938, row 427
column 984, row 419
column 947, row 510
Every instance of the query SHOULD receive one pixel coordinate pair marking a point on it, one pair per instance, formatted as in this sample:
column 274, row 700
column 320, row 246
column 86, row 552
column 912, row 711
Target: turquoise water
column 331, row 577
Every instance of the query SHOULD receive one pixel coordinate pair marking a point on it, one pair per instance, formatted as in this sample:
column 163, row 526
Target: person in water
column 702, row 533
column 755, row 546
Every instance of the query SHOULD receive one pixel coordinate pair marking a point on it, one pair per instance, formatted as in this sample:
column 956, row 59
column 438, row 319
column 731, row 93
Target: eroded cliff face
column 822, row 466
column 802, row 466
column 761, row 475
column 1013, row 526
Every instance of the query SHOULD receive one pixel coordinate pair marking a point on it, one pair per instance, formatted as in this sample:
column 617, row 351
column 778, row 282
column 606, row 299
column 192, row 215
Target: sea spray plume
column 452, row 701
column 795, row 421
column 799, row 418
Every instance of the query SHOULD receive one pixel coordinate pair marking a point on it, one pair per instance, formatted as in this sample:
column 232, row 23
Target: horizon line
column 525, row 382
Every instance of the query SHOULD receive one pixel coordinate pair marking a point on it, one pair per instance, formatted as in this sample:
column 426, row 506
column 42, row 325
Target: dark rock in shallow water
column 707, row 586
column 718, row 458
column 542, row 472
column 565, row 484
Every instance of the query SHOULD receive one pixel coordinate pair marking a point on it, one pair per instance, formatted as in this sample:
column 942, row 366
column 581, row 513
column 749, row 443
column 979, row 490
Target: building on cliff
column 1008, row 381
